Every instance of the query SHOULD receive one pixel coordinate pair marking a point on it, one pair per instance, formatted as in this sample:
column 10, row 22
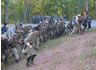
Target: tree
column 30, row 6
column 94, row 4
column 12, row 10
column 25, row 12
column 6, row 12
column 29, row 15
column 20, row 9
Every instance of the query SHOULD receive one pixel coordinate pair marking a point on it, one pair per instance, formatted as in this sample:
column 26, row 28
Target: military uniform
column 77, row 26
column 20, row 35
column 15, row 48
column 4, row 49
column 31, row 42
column 19, row 46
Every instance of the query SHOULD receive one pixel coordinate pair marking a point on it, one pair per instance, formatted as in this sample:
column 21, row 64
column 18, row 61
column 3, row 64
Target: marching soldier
column 13, row 44
column 31, row 42
column 77, row 25
column 4, row 49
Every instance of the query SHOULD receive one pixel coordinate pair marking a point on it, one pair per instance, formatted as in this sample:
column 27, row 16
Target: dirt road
column 77, row 53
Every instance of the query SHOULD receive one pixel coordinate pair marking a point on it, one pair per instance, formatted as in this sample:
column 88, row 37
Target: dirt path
column 64, row 57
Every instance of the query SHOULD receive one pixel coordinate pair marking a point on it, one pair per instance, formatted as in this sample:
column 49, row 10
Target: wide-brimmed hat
column 79, row 15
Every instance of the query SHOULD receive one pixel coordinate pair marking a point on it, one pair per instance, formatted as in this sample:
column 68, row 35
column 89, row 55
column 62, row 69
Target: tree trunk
column 25, row 11
column 20, row 10
column 30, row 5
column 6, row 12
column 78, row 6
column 43, row 1
column 57, row 10
column 94, row 4
column 63, row 12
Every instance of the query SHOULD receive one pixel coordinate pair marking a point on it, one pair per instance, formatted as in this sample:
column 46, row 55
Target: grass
column 51, row 44
column 87, row 60
column 92, row 29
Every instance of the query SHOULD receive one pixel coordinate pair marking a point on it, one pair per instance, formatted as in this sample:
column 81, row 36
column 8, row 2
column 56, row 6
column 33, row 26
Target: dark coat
column 4, row 45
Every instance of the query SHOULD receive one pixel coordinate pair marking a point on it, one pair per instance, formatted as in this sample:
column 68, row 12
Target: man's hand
column 28, row 44
column 23, row 51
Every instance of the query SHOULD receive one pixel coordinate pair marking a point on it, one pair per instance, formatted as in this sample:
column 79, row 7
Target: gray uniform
column 31, row 38
column 19, row 48
column 15, row 50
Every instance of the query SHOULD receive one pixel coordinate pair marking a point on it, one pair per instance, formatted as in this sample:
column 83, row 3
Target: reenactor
column 4, row 49
column 31, row 45
column 12, row 43
column 20, row 34
column 77, row 25
column 19, row 46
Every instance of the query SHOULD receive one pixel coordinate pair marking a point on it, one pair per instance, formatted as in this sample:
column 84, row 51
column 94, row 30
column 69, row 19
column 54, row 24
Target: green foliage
column 46, row 7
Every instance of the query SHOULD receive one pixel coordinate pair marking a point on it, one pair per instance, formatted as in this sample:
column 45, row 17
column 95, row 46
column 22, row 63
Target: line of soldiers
column 45, row 31
column 38, row 35
column 27, row 40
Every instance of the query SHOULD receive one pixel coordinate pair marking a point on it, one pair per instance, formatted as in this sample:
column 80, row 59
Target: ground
column 65, row 53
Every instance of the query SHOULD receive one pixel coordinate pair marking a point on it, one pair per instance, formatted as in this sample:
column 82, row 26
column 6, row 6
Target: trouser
column 41, row 39
column 16, row 53
column 75, row 28
column 19, row 48
column 5, row 56
column 85, row 26
column 36, row 45
column 30, row 60
column 79, row 27
column 89, row 25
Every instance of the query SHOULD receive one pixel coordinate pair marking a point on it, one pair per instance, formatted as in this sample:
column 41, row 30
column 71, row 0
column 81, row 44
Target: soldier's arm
column 30, row 38
column 28, row 44
column 27, row 41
